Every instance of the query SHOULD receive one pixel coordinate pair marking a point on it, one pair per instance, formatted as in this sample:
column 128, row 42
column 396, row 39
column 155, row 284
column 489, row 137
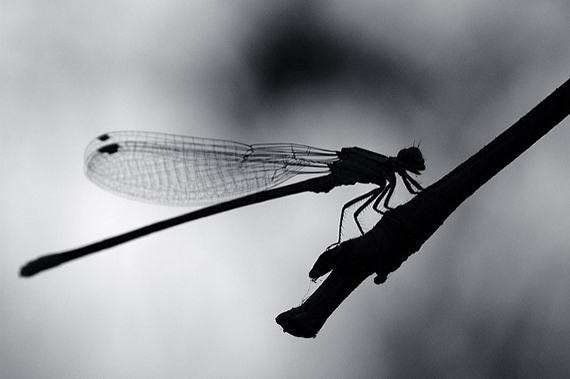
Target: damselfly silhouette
column 180, row 170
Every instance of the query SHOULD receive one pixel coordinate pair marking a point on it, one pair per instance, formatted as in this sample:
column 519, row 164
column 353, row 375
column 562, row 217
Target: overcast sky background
column 486, row 297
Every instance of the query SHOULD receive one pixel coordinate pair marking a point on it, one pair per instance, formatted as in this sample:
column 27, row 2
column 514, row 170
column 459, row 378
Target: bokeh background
column 486, row 297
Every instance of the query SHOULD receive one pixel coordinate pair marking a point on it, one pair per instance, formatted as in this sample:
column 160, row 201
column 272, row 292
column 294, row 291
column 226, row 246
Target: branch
column 403, row 230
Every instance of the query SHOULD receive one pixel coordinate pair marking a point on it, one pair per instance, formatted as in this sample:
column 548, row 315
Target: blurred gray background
column 486, row 297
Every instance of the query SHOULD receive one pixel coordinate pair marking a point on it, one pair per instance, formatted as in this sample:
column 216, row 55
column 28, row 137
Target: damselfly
column 180, row 170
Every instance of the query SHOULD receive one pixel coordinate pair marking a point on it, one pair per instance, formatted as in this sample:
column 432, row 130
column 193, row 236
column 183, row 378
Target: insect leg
column 376, row 205
column 390, row 187
column 373, row 195
column 410, row 183
column 350, row 204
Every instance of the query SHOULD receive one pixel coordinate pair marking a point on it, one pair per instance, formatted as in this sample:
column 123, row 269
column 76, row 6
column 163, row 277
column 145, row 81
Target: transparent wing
column 180, row 170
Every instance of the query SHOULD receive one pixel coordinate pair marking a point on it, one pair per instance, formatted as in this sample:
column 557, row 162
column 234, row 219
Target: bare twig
column 402, row 231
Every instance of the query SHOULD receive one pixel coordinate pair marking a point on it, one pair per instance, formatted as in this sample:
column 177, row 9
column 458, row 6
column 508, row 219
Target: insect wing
column 180, row 170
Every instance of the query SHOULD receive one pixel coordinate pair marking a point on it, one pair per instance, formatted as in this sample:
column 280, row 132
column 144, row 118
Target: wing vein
column 180, row 170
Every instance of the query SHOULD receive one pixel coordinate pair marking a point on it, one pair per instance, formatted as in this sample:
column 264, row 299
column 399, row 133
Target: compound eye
column 412, row 160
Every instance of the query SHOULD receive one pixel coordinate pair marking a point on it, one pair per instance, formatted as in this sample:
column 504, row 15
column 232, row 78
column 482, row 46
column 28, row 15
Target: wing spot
column 109, row 149
column 103, row 137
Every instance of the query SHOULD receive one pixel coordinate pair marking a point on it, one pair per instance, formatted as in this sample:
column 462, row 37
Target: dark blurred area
column 454, row 77
column 298, row 50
